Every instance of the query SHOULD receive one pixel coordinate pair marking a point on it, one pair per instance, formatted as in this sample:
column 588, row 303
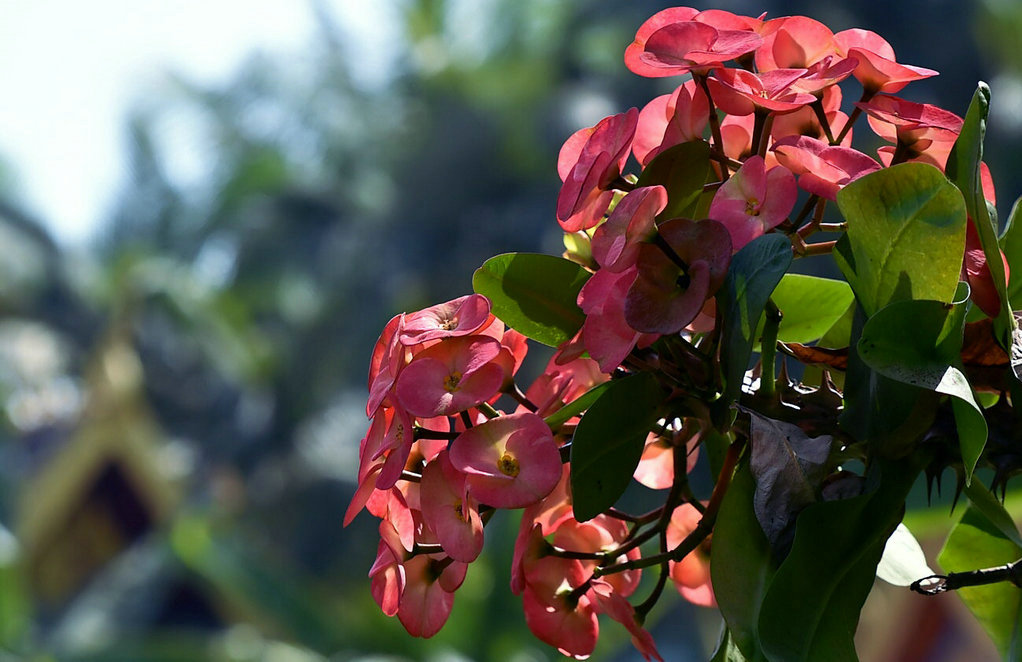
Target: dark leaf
column 682, row 170
column 812, row 605
column 609, row 440
column 788, row 467
column 754, row 273
column 740, row 563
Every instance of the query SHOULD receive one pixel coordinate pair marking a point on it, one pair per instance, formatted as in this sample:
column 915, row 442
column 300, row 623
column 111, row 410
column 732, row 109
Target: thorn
column 960, row 485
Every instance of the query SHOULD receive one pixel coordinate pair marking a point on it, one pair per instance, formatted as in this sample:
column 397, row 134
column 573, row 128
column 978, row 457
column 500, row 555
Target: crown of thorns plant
column 679, row 313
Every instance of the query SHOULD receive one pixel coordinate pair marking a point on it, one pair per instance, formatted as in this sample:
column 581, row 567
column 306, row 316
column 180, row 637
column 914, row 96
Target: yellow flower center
column 451, row 381
column 508, row 465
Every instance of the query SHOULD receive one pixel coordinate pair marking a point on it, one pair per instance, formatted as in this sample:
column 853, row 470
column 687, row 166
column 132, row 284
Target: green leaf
column 810, row 306
column 534, row 294
column 993, row 510
column 741, row 565
column 727, row 650
column 906, row 232
column 919, row 343
column 963, row 168
column 576, row 406
column 609, row 440
column 812, row 605
column 1011, row 244
column 977, row 542
column 752, row 276
column 682, row 170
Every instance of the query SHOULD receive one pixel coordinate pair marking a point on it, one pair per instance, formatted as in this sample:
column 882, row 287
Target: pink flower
column 669, row 120
column 617, row 607
column 923, row 132
column 794, row 42
column 459, row 317
column 588, row 163
column 606, row 334
column 451, row 376
column 389, row 357
column 388, row 580
column 822, row 169
column 877, row 69
column 615, row 243
column 740, row 92
column 561, row 384
column 634, row 51
column 976, row 271
column 679, row 48
column 692, row 573
column 570, row 626
column 656, row 466
column 804, row 122
column 449, row 510
column 425, row 604
column 511, row 461
column 753, row 201
column 666, row 297
column 384, row 450
column 678, row 40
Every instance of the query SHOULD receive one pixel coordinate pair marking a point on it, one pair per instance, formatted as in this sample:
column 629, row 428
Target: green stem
column 768, row 349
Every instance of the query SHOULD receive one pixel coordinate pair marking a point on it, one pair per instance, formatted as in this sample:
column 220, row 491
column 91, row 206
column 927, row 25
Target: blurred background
column 208, row 212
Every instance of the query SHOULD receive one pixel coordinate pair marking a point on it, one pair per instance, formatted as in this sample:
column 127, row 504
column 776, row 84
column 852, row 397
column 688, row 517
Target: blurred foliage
column 270, row 227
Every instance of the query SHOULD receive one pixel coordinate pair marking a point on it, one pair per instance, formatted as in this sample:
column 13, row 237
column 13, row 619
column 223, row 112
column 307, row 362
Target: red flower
column 590, row 160
column 740, row 92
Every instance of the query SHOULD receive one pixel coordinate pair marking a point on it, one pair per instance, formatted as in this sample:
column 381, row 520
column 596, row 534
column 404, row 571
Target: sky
column 69, row 70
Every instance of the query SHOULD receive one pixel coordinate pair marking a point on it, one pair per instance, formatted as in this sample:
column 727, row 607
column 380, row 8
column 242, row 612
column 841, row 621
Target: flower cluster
column 758, row 115
column 439, row 458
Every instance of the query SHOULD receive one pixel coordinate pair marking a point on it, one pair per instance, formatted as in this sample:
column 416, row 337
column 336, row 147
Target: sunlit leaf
column 534, row 294
column 977, row 542
column 906, row 233
column 963, row 168
column 810, row 306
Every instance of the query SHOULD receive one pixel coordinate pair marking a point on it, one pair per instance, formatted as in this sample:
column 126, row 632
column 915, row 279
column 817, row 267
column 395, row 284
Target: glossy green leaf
column 906, row 231
column 754, row 273
column 576, row 406
column 977, row 542
column 740, row 563
column 812, row 605
column 682, row 170
column 608, row 442
column 919, row 343
column 993, row 510
column 1011, row 244
column 963, row 168
column 810, row 306
column 534, row 294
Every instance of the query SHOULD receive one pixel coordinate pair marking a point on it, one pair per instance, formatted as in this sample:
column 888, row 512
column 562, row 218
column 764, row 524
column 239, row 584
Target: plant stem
column 768, row 349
